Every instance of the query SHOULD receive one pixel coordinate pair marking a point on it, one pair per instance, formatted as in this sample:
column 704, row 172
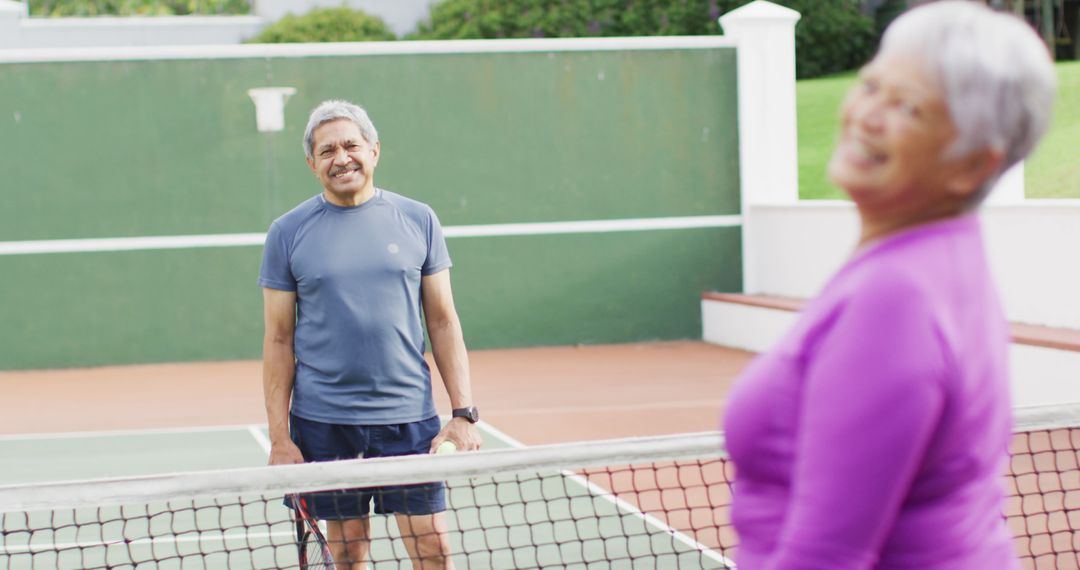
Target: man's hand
column 285, row 453
column 460, row 431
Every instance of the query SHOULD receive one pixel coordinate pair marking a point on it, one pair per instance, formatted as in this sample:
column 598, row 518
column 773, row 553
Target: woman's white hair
column 334, row 110
column 996, row 73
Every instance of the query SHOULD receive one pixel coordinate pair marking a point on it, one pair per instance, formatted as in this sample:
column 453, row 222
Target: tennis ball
column 446, row 447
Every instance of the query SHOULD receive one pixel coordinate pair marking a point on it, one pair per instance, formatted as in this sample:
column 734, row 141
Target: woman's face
column 895, row 127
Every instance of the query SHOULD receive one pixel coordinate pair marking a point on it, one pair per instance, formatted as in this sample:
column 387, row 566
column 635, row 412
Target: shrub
column 326, row 25
column 137, row 7
column 833, row 35
column 464, row 19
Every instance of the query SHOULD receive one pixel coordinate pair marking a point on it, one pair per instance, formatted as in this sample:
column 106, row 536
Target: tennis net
column 1043, row 486
column 659, row 502
column 636, row 503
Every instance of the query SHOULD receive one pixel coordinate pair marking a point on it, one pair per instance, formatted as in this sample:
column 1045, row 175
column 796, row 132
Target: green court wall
column 169, row 147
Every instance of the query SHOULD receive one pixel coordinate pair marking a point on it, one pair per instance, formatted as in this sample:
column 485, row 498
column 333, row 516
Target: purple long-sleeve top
column 875, row 434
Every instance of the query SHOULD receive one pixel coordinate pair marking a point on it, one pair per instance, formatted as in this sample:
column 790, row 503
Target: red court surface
column 536, row 395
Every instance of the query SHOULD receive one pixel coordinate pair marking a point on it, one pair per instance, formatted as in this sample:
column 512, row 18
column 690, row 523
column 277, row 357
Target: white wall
column 1033, row 250
column 798, row 247
column 32, row 33
column 1035, row 253
column 11, row 14
column 1043, row 376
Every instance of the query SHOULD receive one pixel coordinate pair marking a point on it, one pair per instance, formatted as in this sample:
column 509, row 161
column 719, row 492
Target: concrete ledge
column 1044, row 362
column 752, row 327
column 765, row 301
column 1031, row 335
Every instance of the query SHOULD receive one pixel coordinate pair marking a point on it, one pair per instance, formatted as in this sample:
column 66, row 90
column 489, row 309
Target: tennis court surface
column 659, row 500
column 508, row 508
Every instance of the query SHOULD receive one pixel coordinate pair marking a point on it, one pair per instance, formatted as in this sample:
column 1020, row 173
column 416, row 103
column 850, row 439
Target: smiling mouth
column 346, row 171
column 863, row 152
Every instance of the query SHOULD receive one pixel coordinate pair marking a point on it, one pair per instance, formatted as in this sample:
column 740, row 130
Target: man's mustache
column 339, row 169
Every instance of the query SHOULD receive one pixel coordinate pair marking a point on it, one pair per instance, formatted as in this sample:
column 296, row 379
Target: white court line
column 171, row 539
column 622, row 504
column 658, row 406
column 260, row 437
column 144, row 243
column 118, row 433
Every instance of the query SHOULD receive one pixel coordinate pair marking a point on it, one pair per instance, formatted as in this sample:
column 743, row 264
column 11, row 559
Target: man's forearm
column 279, row 369
column 448, row 348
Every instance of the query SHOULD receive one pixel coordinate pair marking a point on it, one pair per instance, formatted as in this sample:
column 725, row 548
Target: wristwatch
column 471, row 413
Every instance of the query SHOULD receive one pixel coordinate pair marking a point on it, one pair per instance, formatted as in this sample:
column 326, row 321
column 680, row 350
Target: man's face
column 344, row 162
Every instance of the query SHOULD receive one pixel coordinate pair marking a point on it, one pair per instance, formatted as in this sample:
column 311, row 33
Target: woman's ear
column 973, row 170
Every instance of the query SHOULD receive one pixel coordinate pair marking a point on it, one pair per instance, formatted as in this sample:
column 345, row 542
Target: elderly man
column 344, row 277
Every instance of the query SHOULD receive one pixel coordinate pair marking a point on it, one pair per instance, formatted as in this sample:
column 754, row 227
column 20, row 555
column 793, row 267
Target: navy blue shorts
column 320, row 441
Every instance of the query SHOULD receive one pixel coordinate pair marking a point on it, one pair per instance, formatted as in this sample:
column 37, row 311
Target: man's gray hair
column 996, row 75
column 334, row 110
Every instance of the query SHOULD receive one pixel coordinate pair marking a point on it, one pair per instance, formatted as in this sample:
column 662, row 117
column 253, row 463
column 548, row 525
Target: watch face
column 471, row 414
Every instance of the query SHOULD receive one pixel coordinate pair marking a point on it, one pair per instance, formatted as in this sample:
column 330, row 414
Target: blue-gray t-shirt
column 359, row 342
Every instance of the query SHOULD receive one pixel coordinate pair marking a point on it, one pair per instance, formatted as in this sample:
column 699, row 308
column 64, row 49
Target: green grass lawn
column 1052, row 172
column 818, row 108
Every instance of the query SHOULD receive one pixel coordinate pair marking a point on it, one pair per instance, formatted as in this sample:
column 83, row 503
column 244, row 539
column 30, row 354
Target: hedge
column 833, row 35
column 137, row 7
column 326, row 25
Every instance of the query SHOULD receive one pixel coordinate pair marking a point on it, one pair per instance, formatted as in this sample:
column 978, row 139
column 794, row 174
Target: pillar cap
column 760, row 10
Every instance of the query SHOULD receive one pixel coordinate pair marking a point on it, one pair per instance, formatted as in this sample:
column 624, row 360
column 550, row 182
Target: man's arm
column 279, row 370
column 448, row 348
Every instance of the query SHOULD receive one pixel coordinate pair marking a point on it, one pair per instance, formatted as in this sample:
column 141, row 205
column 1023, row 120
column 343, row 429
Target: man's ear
column 311, row 165
column 376, row 150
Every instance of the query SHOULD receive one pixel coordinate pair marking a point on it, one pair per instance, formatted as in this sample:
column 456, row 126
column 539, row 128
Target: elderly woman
column 875, row 434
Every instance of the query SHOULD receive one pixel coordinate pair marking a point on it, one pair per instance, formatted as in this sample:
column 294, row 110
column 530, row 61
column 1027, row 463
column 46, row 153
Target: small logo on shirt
column 393, row 248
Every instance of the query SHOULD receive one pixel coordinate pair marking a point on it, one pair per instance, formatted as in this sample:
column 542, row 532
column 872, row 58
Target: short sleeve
column 275, row 272
column 438, row 256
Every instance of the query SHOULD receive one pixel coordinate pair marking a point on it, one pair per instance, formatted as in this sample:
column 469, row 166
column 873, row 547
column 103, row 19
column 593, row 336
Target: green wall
column 152, row 148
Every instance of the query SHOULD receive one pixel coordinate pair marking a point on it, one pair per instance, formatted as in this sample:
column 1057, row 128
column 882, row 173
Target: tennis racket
column 310, row 542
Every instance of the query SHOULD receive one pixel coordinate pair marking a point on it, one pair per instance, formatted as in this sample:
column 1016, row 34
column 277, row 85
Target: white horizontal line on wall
column 593, row 226
column 128, row 244
column 363, row 48
column 239, row 240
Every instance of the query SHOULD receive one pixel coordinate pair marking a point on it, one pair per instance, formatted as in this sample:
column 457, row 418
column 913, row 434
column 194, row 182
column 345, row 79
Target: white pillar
column 1010, row 187
column 768, row 156
column 765, row 33
column 11, row 17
